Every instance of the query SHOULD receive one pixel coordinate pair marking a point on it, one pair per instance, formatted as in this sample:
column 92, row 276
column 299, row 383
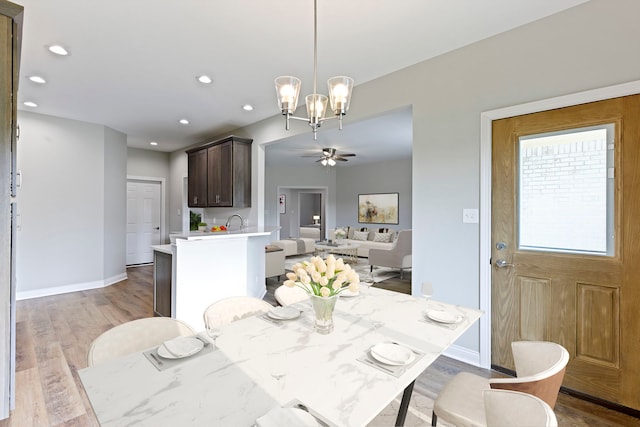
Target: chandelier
column 340, row 87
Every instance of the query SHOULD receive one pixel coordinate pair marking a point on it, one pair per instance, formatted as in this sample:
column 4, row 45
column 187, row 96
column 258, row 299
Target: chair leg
column 401, row 274
column 434, row 419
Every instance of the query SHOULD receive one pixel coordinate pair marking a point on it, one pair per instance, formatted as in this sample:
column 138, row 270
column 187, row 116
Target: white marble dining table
column 233, row 385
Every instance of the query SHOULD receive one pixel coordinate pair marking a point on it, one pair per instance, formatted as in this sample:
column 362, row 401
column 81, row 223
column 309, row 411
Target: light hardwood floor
column 54, row 334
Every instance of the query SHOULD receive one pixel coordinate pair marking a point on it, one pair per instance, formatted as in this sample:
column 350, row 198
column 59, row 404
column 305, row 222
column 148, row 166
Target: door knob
column 157, row 228
column 501, row 263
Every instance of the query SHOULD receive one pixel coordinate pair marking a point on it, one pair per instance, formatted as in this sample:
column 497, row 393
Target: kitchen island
column 207, row 267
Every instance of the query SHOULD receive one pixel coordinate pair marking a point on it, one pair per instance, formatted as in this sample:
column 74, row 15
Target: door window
column 565, row 197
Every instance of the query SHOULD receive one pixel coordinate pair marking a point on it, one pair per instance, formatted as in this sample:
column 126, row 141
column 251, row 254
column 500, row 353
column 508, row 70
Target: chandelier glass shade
column 340, row 89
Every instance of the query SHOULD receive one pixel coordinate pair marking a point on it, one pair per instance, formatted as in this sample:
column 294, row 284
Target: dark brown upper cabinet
column 219, row 174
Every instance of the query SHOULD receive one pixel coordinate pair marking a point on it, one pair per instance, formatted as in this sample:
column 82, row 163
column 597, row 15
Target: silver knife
column 156, row 358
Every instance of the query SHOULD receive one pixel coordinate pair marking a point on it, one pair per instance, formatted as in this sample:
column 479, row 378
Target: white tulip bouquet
column 340, row 233
column 323, row 278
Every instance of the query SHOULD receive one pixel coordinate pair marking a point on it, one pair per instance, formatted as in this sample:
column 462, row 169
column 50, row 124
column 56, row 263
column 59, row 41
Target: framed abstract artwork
column 282, row 204
column 380, row 208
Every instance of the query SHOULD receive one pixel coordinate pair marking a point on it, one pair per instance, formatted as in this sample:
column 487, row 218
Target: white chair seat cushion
column 286, row 295
column 461, row 402
column 515, row 409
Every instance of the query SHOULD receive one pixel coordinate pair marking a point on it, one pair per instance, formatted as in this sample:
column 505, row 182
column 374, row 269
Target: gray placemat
column 279, row 322
column 162, row 364
column 451, row 326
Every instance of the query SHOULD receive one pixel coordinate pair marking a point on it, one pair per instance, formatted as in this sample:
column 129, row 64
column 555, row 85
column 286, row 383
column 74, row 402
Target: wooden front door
column 565, row 262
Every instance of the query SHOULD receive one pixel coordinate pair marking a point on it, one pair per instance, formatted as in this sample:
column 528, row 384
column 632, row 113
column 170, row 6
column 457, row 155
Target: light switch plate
column 470, row 216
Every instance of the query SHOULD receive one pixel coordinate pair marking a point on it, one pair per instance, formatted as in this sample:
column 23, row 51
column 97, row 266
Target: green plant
column 194, row 220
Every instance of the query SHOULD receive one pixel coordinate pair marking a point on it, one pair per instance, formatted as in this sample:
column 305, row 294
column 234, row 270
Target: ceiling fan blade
column 347, row 155
column 311, row 155
column 319, row 160
column 340, row 159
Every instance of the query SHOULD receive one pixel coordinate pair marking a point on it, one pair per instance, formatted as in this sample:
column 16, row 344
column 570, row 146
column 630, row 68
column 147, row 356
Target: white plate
column 284, row 313
column 392, row 354
column 180, row 347
column 287, row 417
column 347, row 293
column 444, row 316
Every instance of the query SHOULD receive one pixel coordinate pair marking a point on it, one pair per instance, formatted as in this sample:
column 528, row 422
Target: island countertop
column 162, row 248
column 245, row 232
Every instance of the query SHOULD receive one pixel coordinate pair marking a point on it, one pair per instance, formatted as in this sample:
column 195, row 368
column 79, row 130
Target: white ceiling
column 133, row 63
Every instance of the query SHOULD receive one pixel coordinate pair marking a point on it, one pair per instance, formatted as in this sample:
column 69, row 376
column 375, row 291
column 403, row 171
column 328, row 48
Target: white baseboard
column 57, row 290
column 463, row 355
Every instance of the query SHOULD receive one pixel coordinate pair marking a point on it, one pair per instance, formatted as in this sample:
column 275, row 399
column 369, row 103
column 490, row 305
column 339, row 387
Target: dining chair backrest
column 515, row 409
column 286, row 295
column 231, row 309
column 540, row 368
column 134, row 336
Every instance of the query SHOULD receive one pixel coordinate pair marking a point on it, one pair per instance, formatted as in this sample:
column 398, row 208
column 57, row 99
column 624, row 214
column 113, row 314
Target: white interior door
column 143, row 220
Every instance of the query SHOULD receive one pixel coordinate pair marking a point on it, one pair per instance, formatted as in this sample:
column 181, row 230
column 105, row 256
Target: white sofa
column 310, row 233
column 369, row 243
column 296, row 246
column 274, row 261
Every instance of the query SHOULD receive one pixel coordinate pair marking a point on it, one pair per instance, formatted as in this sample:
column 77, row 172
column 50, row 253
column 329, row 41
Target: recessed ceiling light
column 58, row 50
column 30, row 104
column 184, row 121
column 247, row 107
column 205, row 79
column 37, row 79
column 153, row 143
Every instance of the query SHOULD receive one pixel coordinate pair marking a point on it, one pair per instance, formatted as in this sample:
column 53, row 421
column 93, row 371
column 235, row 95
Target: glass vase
column 323, row 309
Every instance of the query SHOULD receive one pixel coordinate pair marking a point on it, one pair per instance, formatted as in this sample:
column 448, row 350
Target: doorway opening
column 299, row 207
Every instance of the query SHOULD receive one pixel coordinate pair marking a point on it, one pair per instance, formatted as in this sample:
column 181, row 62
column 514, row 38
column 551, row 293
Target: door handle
column 157, row 228
column 501, row 263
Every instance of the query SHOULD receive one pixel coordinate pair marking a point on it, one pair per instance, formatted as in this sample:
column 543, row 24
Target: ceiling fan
column 329, row 157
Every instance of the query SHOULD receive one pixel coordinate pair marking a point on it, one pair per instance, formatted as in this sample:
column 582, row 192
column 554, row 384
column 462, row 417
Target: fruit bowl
column 216, row 228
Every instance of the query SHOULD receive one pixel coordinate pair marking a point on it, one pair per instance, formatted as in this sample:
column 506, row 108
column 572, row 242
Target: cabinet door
column 197, row 172
column 220, row 183
column 242, row 175
column 162, row 284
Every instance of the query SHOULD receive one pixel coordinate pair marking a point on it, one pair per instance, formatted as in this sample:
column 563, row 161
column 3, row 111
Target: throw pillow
column 360, row 235
column 382, row 237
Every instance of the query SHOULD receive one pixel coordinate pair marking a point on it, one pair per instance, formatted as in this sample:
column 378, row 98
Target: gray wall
column 388, row 177
column 115, row 202
column 590, row 46
column 297, row 179
column 147, row 163
column 72, row 205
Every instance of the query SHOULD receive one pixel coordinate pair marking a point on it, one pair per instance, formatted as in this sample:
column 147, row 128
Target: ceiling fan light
column 324, row 162
column 331, row 162
column 287, row 91
column 340, row 89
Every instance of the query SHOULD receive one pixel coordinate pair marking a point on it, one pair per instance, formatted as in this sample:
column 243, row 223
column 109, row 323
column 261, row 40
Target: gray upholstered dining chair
column 286, row 295
column 517, row 409
column 398, row 256
column 231, row 309
column 540, row 367
column 134, row 336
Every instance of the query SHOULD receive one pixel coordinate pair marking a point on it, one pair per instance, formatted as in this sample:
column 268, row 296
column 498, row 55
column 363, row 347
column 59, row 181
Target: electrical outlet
column 470, row 216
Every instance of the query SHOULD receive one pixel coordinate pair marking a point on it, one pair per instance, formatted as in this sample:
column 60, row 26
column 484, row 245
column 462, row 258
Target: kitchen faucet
column 231, row 217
